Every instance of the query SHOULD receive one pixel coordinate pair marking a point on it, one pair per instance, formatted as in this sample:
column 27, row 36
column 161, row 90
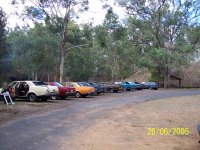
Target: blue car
column 150, row 85
column 136, row 85
column 98, row 88
column 126, row 86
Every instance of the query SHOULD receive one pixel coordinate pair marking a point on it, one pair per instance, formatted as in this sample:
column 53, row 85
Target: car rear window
column 39, row 83
column 57, row 84
column 80, row 84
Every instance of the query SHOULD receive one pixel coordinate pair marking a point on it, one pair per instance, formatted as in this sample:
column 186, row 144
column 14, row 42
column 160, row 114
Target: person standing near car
column 4, row 88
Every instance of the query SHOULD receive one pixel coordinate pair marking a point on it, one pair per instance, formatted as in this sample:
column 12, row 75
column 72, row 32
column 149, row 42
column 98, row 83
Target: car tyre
column 78, row 94
column 54, row 97
column 32, row 97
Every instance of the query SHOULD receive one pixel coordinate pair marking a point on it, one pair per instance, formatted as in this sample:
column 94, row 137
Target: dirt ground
column 22, row 109
column 126, row 128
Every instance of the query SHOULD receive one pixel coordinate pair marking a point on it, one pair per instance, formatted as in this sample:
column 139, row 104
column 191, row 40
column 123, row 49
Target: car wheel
column 32, row 97
column 78, row 94
column 124, row 89
column 54, row 97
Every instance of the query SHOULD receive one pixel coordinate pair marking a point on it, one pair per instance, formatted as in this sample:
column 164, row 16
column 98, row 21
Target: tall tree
column 3, row 21
column 33, row 51
column 158, row 25
column 57, row 13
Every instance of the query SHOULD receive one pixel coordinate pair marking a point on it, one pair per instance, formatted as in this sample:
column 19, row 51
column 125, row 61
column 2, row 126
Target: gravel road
column 44, row 131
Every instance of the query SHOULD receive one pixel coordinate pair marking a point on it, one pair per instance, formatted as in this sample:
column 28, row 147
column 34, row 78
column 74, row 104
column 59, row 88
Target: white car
column 33, row 90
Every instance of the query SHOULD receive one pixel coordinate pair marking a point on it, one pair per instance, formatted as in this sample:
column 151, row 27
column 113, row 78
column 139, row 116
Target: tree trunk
column 62, row 62
column 167, row 74
column 167, row 80
column 36, row 76
column 63, row 42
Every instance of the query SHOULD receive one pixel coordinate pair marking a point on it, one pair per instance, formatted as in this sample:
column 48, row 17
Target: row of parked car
column 34, row 90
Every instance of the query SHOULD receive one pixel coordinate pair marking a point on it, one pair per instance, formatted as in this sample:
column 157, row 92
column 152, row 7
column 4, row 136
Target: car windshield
column 80, row 84
column 83, row 83
column 95, row 84
column 88, row 84
column 39, row 83
column 57, row 84
column 13, row 84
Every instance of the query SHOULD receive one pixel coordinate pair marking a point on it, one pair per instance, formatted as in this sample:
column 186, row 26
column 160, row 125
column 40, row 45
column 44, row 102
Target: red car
column 63, row 91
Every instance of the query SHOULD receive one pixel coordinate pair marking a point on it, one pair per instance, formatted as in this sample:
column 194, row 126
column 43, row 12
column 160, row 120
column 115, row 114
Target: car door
column 16, row 89
column 11, row 88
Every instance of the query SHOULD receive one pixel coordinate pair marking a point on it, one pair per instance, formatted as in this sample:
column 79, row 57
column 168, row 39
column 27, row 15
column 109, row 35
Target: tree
column 33, row 51
column 80, row 63
column 158, row 26
column 3, row 21
column 57, row 14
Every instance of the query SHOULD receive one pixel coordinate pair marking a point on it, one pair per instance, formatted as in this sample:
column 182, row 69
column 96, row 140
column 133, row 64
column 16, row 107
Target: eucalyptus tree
column 3, row 21
column 57, row 13
column 158, row 26
column 33, row 51
column 120, row 52
column 80, row 61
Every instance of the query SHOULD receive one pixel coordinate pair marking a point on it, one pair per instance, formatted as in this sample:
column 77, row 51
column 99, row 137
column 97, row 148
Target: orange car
column 81, row 90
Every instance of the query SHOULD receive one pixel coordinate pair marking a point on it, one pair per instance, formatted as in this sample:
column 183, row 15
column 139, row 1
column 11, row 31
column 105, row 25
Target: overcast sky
column 95, row 13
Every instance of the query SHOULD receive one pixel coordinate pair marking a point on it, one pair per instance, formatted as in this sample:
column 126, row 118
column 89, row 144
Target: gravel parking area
column 138, row 120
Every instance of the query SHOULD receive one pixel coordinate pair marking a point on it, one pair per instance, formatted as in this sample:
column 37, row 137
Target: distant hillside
column 140, row 76
column 190, row 76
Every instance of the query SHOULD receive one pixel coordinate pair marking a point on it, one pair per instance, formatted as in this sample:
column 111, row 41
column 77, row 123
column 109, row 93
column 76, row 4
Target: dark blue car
column 98, row 88
column 150, row 85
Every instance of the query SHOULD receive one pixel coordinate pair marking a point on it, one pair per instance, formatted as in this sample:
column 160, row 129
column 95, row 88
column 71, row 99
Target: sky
column 95, row 13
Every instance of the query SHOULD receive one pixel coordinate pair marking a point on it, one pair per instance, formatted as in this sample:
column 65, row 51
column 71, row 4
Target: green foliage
column 161, row 29
column 3, row 20
column 34, row 50
column 79, row 65
column 158, row 35
column 4, row 60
